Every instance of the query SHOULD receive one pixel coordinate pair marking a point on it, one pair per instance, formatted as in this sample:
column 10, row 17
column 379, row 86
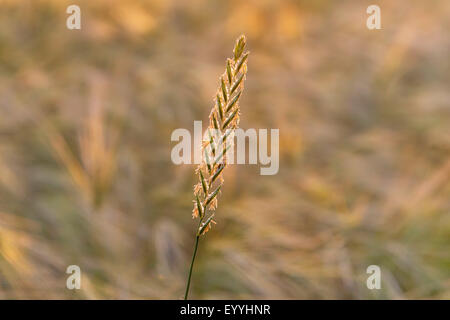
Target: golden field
column 86, row 176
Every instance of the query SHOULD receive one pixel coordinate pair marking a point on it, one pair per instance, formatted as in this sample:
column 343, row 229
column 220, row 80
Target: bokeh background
column 85, row 171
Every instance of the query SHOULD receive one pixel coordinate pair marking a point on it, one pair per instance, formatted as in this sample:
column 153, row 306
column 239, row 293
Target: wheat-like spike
column 224, row 117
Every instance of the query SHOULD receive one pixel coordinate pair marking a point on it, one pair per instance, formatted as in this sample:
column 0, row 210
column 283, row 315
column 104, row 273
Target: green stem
column 197, row 238
column 190, row 269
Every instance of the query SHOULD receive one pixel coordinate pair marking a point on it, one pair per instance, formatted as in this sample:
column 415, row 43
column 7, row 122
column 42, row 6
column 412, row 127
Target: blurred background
column 85, row 171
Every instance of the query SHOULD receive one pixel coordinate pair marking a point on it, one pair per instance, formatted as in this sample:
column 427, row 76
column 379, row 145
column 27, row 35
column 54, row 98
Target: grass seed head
column 223, row 118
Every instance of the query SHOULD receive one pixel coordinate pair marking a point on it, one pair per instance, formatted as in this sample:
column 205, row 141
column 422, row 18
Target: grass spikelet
column 237, row 83
column 205, row 226
column 202, row 179
column 241, row 63
column 223, row 119
column 233, row 101
column 230, row 118
column 224, row 90
column 219, row 107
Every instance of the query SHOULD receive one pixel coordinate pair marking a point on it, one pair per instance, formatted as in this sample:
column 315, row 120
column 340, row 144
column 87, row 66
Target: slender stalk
column 190, row 269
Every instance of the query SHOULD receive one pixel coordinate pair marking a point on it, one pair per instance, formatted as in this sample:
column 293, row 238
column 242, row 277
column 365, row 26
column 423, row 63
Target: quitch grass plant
column 223, row 120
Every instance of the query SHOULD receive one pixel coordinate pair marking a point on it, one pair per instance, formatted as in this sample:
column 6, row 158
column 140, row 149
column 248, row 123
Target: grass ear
column 220, row 120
